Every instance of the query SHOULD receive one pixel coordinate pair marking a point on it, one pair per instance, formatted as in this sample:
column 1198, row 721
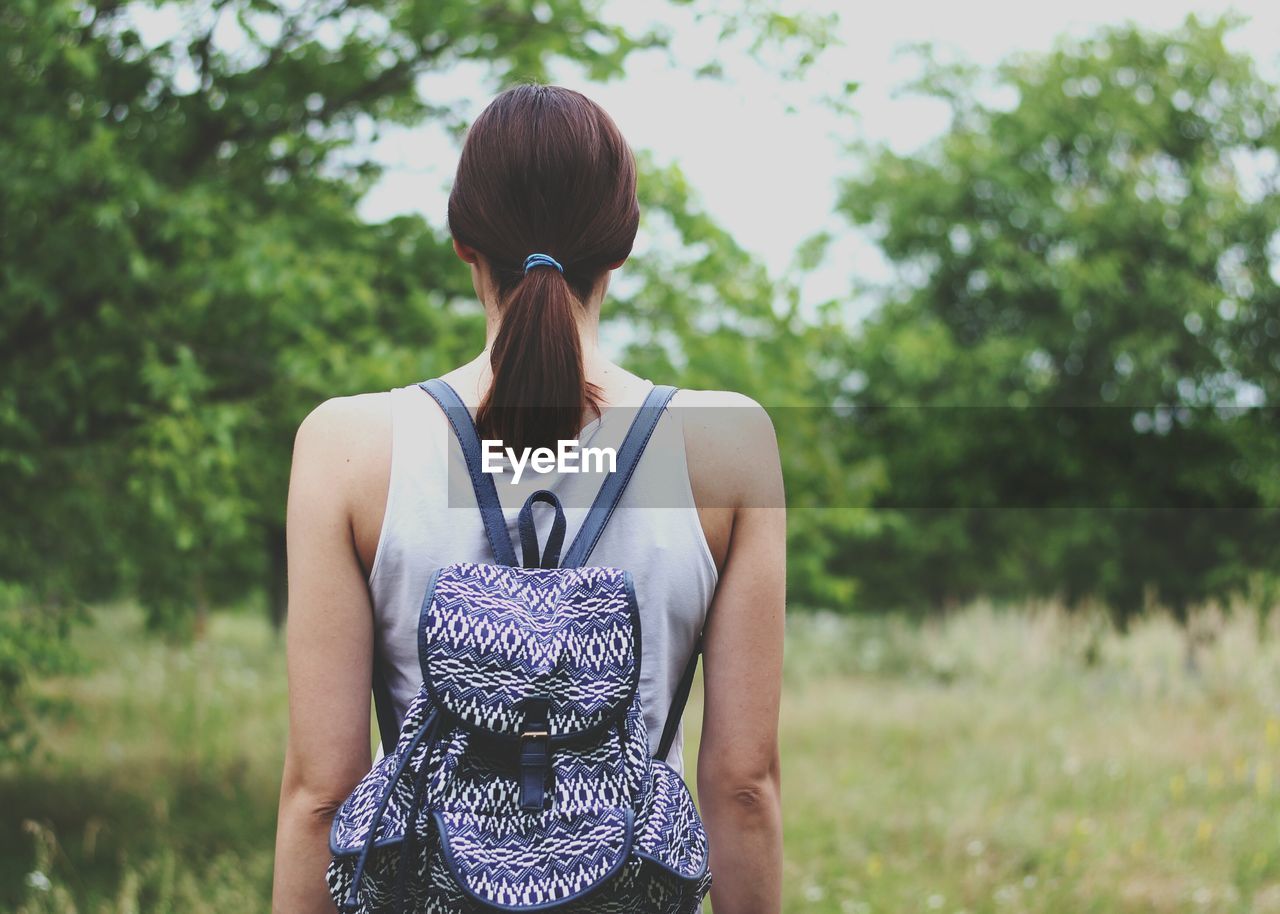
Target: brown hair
column 543, row 170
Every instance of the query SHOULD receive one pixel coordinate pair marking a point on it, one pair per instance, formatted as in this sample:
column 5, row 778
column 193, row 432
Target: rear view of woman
column 700, row 526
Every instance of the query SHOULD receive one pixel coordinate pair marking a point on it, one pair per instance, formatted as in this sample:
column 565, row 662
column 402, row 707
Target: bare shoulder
column 348, row 439
column 345, row 424
column 731, row 446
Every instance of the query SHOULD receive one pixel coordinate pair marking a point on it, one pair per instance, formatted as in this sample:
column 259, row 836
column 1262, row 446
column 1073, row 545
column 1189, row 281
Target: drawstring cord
column 411, row 833
column 352, row 902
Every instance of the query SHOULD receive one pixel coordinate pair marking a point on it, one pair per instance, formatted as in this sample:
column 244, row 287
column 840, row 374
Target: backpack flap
column 501, row 645
column 533, row 862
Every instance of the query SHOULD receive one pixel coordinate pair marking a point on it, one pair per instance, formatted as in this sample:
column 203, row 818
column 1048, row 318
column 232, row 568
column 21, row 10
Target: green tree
column 186, row 274
column 1087, row 276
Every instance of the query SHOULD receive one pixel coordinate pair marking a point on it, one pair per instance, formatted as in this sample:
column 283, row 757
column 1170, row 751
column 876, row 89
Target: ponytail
column 540, row 392
column 543, row 168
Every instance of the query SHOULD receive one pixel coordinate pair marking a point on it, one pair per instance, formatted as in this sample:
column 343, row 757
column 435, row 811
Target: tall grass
column 160, row 794
column 991, row 760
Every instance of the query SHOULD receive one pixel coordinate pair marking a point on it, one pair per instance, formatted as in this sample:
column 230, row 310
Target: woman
column 543, row 169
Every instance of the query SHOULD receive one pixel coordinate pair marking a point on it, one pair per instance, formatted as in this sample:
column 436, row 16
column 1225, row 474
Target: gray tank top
column 432, row 520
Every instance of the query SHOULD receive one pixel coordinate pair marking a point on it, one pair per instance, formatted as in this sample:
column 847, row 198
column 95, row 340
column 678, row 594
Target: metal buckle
column 534, row 734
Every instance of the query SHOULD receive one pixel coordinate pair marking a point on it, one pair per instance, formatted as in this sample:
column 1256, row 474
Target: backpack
column 520, row 778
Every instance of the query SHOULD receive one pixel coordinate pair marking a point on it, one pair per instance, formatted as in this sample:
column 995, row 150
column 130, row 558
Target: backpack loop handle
column 529, row 533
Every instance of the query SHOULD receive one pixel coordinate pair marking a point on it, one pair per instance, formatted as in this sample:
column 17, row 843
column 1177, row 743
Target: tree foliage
column 1086, row 304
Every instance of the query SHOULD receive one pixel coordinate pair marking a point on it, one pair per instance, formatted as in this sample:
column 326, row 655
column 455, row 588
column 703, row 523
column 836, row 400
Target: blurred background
column 1006, row 276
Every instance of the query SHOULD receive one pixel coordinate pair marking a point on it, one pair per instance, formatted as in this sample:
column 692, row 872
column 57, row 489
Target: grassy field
column 991, row 761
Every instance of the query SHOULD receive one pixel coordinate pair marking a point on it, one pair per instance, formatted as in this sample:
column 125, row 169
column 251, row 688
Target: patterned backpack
column 520, row 779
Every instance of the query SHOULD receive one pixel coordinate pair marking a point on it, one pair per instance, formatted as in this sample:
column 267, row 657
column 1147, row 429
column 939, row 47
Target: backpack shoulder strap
column 678, row 700
column 388, row 727
column 495, row 522
column 495, row 527
column 615, row 483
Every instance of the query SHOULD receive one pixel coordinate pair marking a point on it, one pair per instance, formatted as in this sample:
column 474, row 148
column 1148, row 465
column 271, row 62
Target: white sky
column 766, row 174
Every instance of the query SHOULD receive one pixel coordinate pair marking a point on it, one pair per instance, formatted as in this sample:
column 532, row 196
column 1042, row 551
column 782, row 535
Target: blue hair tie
column 538, row 260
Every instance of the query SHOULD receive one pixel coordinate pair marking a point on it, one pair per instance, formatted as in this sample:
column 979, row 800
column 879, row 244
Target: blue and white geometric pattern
column 493, row 635
column 504, row 861
column 441, row 815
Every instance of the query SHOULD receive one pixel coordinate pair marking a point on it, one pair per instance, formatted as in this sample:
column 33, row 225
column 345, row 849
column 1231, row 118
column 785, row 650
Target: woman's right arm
column 329, row 644
column 739, row 770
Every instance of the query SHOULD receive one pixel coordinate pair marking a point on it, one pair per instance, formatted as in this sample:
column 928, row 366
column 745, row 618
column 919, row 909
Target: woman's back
column 431, row 519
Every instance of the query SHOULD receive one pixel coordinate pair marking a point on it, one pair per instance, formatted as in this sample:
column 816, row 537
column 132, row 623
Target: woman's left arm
column 329, row 649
